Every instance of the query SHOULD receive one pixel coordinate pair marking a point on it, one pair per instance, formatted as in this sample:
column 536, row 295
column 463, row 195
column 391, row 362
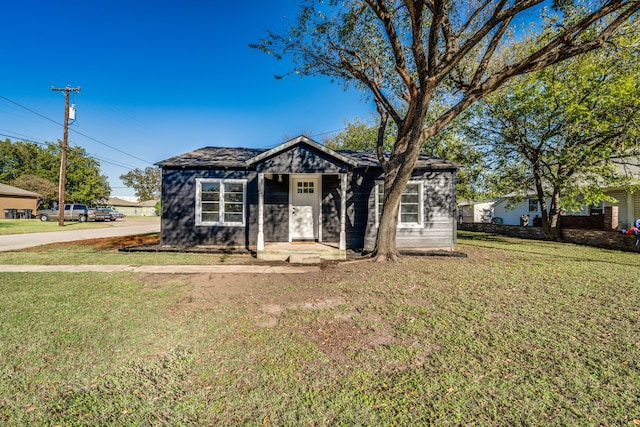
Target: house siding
column 439, row 215
column 331, row 208
column 178, row 210
column 276, row 209
column 300, row 159
column 180, row 175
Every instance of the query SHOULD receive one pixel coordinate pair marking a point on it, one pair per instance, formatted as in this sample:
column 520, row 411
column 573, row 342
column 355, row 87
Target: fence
column 574, row 229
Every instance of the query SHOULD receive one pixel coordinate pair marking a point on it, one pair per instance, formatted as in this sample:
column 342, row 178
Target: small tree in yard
column 417, row 56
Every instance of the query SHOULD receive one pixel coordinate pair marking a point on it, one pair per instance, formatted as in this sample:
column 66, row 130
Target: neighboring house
column 628, row 208
column 14, row 199
column 300, row 191
column 130, row 208
column 511, row 215
column 469, row 212
column 628, row 202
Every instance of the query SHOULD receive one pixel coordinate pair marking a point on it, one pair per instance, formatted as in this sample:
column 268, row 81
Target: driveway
column 12, row 242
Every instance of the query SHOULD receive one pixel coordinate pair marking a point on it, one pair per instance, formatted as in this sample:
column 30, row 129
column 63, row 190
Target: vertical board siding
column 179, row 193
column 276, row 209
column 330, row 208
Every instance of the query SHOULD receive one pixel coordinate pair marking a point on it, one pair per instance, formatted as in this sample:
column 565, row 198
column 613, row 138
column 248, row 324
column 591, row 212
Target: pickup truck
column 73, row 212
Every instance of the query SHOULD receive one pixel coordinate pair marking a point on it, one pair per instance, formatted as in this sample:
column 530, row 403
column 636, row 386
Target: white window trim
column 420, row 223
column 222, row 181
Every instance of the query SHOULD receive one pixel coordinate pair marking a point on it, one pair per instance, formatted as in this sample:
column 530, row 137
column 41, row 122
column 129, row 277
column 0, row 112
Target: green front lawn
column 22, row 226
column 519, row 333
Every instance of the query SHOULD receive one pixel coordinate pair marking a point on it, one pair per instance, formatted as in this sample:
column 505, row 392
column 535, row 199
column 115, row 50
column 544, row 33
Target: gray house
column 300, row 192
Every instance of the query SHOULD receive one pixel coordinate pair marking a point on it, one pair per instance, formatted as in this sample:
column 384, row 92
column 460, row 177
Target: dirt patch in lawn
column 105, row 243
column 319, row 305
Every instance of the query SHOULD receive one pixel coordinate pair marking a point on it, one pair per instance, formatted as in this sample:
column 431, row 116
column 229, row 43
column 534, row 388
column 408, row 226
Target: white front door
column 305, row 201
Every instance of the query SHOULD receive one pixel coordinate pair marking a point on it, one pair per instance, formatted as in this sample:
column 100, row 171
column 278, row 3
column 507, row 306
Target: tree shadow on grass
column 509, row 243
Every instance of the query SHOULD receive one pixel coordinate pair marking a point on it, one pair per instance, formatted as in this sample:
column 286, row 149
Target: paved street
column 12, row 242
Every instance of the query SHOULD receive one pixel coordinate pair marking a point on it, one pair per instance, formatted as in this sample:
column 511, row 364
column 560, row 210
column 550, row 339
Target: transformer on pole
column 63, row 157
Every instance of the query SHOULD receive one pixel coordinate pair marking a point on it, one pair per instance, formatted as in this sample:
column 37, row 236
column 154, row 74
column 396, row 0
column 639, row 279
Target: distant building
column 130, row 208
column 15, row 201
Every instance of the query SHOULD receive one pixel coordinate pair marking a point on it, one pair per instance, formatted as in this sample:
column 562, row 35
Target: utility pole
column 65, row 142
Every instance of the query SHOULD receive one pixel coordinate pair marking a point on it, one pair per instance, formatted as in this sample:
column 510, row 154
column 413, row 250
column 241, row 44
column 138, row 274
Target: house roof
column 301, row 140
column 221, row 157
column 9, row 190
column 114, row 201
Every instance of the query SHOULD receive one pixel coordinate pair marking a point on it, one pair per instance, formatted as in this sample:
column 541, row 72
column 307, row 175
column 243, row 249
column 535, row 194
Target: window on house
column 411, row 203
column 533, row 205
column 220, row 201
column 305, row 187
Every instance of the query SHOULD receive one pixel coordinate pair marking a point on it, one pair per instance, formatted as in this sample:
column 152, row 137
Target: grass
column 22, row 226
column 78, row 254
column 519, row 333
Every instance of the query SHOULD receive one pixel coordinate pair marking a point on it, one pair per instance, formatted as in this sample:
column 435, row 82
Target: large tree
column 410, row 55
column 84, row 183
column 563, row 131
column 146, row 183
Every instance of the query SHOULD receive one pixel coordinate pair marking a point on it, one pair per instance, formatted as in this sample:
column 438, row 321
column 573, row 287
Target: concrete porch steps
column 301, row 253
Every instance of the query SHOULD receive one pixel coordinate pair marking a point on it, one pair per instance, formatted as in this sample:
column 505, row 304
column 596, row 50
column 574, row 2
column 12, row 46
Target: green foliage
column 147, row 183
column 46, row 188
column 567, row 129
column 358, row 135
column 39, row 167
column 450, row 144
column 425, row 63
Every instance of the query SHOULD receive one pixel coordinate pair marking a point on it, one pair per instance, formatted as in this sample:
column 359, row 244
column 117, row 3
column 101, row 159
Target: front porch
column 302, row 252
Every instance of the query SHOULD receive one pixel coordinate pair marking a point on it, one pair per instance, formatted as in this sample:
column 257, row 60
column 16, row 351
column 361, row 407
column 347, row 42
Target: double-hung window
column 220, row 201
column 411, row 203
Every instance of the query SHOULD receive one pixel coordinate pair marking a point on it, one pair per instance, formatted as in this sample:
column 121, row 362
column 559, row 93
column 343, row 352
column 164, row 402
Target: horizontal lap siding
column 438, row 231
column 178, row 210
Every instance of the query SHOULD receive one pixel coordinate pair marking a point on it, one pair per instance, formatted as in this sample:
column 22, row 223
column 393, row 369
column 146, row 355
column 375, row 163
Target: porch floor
column 301, row 252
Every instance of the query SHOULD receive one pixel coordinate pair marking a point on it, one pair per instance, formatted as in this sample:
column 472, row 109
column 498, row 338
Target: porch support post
column 631, row 214
column 260, row 244
column 343, row 211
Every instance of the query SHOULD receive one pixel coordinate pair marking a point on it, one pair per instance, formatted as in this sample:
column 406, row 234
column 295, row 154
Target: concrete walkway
column 162, row 269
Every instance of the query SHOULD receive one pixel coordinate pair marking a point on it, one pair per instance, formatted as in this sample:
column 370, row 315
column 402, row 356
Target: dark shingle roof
column 213, row 157
column 370, row 159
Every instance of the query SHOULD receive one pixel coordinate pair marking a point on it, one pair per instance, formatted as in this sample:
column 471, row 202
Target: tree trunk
column 554, row 218
column 550, row 217
column 396, row 177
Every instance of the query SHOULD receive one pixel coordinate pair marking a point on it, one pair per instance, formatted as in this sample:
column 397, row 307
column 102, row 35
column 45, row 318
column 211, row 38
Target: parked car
column 72, row 212
column 113, row 214
column 99, row 214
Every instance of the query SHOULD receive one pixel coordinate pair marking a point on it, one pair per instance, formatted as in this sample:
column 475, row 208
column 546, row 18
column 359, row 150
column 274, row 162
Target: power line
column 75, row 131
column 18, row 136
column 31, row 111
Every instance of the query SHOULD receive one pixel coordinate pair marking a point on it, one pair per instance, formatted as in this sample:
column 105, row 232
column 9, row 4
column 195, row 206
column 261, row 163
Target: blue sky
column 158, row 78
